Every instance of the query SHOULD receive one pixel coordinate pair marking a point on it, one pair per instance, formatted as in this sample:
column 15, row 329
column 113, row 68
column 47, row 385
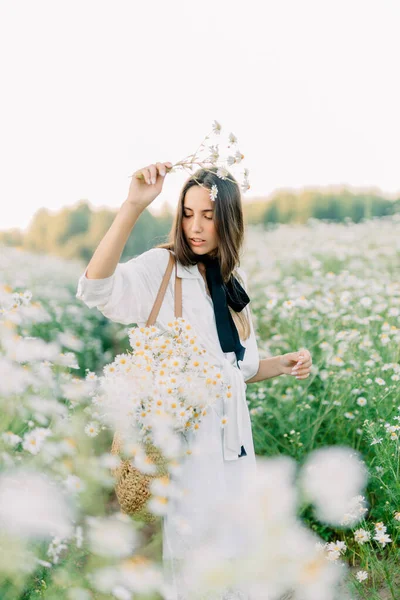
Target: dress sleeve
column 127, row 296
column 249, row 366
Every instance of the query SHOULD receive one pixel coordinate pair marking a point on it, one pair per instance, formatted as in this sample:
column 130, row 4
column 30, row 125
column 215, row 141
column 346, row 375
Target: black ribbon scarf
column 223, row 295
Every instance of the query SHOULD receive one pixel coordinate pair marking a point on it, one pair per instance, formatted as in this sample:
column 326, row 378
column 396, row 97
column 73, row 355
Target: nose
column 197, row 225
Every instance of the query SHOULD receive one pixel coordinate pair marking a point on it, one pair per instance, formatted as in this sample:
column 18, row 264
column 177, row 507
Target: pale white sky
column 93, row 90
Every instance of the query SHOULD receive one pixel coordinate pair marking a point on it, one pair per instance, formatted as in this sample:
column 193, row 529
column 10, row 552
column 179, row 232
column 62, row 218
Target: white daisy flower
column 158, row 505
column 111, row 536
column 245, row 186
column 144, row 464
column 337, row 546
column 90, row 376
column 33, row 440
column 213, row 192
column 121, row 593
column 73, row 483
column 333, row 555
column 222, row 173
column 238, row 157
column 366, row 301
column 361, row 536
column 214, row 153
column 92, row 429
column 337, row 361
column 26, row 296
column 11, row 438
column 349, row 415
column 361, row 576
column 288, row 304
column 382, row 538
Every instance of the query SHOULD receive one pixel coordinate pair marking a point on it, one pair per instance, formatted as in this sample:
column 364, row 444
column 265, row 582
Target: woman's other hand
column 297, row 364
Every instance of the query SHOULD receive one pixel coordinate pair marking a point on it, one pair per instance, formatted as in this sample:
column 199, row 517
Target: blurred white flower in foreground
column 29, row 349
column 112, row 536
column 331, row 478
column 31, row 505
column 14, row 379
column 34, row 440
column 271, row 552
column 136, row 574
column 79, row 594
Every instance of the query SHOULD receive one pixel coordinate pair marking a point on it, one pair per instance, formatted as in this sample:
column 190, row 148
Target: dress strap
column 178, row 292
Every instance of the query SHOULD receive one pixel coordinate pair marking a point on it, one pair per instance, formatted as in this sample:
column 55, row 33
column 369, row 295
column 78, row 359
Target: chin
column 199, row 250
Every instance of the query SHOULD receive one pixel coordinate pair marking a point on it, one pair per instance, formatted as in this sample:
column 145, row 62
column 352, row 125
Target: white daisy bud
column 216, row 127
column 232, row 139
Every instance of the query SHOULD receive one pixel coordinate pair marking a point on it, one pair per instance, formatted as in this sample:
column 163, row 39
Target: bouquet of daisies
column 159, row 391
column 155, row 396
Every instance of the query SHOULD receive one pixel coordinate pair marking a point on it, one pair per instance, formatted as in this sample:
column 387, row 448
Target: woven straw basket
column 132, row 487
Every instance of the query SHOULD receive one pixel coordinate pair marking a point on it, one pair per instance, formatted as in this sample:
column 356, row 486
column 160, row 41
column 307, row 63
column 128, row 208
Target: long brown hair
column 229, row 227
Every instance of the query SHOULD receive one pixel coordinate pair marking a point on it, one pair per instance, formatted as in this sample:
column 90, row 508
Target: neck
column 206, row 259
column 202, row 268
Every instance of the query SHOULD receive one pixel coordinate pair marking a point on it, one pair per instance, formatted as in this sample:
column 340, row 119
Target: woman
column 206, row 238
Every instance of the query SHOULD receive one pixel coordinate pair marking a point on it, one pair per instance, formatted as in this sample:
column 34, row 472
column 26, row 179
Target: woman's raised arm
column 146, row 185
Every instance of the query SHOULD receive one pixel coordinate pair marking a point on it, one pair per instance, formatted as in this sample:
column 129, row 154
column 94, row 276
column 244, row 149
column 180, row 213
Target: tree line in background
column 75, row 232
column 288, row 206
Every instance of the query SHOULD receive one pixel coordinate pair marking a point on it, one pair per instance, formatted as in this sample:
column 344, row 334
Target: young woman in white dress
column 206, row 239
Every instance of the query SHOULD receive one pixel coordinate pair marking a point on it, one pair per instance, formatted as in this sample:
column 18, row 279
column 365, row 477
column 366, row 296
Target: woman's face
column 198, row 220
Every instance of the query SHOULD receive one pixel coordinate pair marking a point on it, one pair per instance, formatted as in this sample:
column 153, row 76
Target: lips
column 197, row 240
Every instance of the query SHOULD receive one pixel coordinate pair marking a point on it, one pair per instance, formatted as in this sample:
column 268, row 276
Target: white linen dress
column 215, row 473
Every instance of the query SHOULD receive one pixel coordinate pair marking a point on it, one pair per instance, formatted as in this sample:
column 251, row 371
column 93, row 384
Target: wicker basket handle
column 161, row 292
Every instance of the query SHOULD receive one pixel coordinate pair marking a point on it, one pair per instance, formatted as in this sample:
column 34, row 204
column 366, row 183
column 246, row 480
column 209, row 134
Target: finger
column 305, row 354
column 169, row 165
column 303, row 376
column 304, row 359
column 153, row 173
column 306, row 364
column 161, row 169
column 292, row 356
column 302, row 372
column 301, row 358
column 299, row 364
column 143, row 174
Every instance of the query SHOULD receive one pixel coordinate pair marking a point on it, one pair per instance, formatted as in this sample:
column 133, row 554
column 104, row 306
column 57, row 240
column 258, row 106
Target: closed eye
column 188, row 216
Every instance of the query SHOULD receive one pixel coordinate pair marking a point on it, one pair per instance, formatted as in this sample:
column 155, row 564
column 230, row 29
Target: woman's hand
column 147, row 184
column 297, row 364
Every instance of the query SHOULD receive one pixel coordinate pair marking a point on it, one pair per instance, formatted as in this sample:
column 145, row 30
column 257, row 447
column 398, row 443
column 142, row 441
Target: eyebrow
column 206, row 210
